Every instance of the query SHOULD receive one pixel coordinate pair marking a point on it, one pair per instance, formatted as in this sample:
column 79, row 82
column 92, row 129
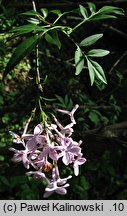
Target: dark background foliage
column 101, row 118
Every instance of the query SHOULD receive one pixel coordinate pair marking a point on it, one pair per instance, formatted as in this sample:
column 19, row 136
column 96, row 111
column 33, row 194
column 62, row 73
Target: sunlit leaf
column 97, row 53
column 91, row 40
column 30, row 13
column 99, row 72
column 57, row 12
column 83, row 11
column 44, row 12
column 111, row 9
column 102, row 17
column 92, row 7
column 91, row 71
column 33, row 21
column 79, row 61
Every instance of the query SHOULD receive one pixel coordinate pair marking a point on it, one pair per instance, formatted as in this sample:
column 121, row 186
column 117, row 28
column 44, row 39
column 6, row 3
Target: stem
column 38, row 79
column 84, row 20
column 28, row 121
column 34, row 6
column 43, row 115
column 57, row 19
column 77, row 26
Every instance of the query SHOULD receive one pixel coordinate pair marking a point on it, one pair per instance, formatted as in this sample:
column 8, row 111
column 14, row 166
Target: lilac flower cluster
column 43, row 149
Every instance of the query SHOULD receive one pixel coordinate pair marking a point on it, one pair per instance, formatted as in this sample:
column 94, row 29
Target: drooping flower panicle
column 43, row 149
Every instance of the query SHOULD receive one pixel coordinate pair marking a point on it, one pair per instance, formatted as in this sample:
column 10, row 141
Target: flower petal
column 38, row 129
column 76, row 169
column 30, row 145
column 61, row 191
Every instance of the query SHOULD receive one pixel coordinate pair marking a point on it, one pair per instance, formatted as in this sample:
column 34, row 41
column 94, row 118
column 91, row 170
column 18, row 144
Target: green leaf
column 60, row 99
column 79, row 61
column 17, row 34
column 84, row 183
column 102, row 17
column 25, row 48
column 36, row 29
column 91, row 71
column 48, row 99
column 3, row 48
column 53, row 38
column 44, row 12
column 27, row 28
column 30, row 13
column 4, row 180
column 1, row 158
column 57, row 12
column 91, row 40
column 111, row 9
column 92, row 7
column 33, row 21
column 66, row 99
column 99, row 72
column 83, row 11
column 97, row 53
column 94, row 117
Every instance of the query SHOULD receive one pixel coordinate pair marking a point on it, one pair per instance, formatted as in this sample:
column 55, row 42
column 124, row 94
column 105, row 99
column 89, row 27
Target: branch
column 117, row 62
column 115, row 30
column 110, row 131
column 68, row 5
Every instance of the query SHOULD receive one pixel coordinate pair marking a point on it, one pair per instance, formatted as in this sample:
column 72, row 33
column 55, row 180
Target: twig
column 115, row 30
column 38, row 79
column 110, row 131
column 28, row 121
column 117, row 62
column 117, row 126
column 67, row 62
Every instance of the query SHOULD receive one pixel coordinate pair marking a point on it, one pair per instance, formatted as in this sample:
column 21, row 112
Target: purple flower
column 78, row 161
column 38, row 175
column 70, row 113
column 71, row 150
column 17, row 139
column 20, row 156
column 67, row 130
column 43, row 149
column 51, row 149
column 57, row 184
column 35, row 138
